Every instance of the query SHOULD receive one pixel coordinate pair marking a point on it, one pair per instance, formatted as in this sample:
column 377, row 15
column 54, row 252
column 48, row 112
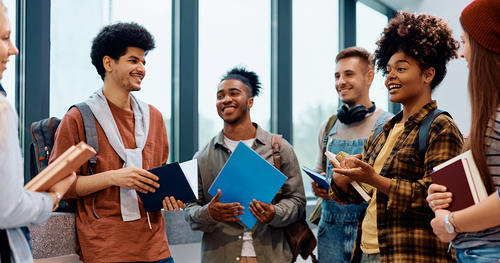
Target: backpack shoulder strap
column 276, row 144
column 90, row 131
column 423, row 132
column 329, row 125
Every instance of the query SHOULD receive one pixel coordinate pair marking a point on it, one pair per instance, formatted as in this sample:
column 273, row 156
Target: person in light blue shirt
column 18, row 207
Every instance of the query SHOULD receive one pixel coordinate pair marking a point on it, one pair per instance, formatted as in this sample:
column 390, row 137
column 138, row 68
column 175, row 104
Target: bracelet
column 452, row 221
column 58, row 199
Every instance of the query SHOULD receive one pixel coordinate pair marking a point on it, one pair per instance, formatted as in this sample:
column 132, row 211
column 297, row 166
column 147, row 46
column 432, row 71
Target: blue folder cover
column 318, row 178
column 172, row 183
column 247, row 176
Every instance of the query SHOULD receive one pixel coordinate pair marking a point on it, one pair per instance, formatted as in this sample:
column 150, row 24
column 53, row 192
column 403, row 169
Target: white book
column 355, row 184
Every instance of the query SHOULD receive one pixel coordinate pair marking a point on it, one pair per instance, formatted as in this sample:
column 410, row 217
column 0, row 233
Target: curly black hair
column 250, row 79
column 424, row 37
column 113, row 41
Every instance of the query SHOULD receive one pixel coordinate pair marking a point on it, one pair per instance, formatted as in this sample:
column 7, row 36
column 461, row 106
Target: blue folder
column 172, row 183
column 318, row 178
column 247, row 176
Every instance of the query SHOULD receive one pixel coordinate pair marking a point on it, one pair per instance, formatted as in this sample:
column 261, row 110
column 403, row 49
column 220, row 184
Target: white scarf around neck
column 97, row 102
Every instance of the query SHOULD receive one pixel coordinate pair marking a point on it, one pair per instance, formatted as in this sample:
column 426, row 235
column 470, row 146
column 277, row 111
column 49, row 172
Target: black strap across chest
column 4, row 246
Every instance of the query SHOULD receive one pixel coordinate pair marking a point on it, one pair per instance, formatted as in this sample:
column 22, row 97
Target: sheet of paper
column 190, row 170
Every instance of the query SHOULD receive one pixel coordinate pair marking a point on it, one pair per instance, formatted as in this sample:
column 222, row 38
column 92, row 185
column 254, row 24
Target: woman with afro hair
column 412, row 52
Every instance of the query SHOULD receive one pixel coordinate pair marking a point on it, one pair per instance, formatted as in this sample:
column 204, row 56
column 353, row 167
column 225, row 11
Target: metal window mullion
column 281, row 68
column 184, row 125
column 34, row 70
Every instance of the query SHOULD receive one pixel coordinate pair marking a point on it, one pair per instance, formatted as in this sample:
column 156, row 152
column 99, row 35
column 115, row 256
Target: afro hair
column 424, row 37
column 113, row 41
column 250, row 79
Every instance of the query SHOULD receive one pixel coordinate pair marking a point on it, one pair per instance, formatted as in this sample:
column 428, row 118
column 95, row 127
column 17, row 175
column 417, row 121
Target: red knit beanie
column 481, row 19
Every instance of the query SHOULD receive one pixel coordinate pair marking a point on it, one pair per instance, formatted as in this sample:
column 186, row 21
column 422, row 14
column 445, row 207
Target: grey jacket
column 17, row 207
column 222, row 242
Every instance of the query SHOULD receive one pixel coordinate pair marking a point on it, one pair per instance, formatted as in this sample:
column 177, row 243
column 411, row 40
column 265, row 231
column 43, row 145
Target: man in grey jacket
column 225, row 239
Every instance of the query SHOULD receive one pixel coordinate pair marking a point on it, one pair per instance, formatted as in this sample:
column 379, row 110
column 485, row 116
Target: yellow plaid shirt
column 403, row 216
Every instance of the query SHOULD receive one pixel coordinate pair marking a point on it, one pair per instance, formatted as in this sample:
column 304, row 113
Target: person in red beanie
column 475, row 231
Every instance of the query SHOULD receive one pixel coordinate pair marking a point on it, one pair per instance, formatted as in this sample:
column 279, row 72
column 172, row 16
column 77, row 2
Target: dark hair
column 356, row 52
column 484, row 93
column 113, row 41
column 425, row 38
column 249, row 78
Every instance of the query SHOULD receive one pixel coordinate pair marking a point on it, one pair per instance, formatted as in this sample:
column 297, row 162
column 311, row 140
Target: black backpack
column 43, row 132
column 423, row 132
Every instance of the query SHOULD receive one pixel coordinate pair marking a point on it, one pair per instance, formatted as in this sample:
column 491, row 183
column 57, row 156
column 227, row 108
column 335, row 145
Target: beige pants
column 249, row 260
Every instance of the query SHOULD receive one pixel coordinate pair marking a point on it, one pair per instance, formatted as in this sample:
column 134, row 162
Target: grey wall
column 452, row 94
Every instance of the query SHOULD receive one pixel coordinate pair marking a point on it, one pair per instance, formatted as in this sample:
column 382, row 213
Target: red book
column 453, row 176
column 461, row 177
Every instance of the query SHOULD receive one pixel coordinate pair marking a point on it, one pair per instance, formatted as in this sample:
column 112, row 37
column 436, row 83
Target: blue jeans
column 337, row 231
column 478, row 254
column 165, row 260
column 370, row 258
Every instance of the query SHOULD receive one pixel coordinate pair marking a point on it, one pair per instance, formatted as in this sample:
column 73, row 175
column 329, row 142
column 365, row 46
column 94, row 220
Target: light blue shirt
column 17, row 207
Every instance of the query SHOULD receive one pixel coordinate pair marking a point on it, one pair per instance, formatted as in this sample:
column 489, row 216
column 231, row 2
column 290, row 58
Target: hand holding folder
column 178, row 180
column 224, row 212
column 246, row 177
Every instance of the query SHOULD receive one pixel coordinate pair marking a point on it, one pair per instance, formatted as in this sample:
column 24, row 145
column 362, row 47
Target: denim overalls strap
column 344, row 213
column 350, row 147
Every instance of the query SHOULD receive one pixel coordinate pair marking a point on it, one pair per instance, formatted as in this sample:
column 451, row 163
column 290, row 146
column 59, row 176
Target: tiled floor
column 190, row 253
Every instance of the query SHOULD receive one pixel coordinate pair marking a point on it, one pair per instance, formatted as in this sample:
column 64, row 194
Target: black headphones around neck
column 348, row 115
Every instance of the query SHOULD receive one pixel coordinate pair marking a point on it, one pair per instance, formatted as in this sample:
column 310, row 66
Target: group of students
column 406, row 219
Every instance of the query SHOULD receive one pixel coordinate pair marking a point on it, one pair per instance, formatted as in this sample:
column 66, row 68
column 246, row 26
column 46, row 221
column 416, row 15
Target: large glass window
column 369, row 26
column 73, row 77
column 9, row 75
column 232, row 33
column 315, row 44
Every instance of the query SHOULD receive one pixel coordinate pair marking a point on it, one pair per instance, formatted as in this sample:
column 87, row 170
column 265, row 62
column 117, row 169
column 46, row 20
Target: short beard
column 238, row 119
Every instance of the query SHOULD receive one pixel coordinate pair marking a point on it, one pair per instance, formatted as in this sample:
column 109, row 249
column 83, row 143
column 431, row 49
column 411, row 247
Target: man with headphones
column 346, row 131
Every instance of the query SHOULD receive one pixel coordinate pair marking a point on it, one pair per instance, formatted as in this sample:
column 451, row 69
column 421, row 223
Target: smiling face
column 129, row 70
column 234, row 101
column 353, row 78
column 7, row 49
column 405, row 79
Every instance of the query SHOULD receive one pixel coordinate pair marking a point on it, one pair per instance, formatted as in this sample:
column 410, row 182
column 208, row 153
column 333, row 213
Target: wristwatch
column 58, row 198
column 450, row 228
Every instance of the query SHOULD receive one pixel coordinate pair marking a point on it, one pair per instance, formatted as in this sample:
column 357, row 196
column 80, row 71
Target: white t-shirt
column 247, row 250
